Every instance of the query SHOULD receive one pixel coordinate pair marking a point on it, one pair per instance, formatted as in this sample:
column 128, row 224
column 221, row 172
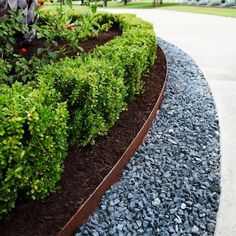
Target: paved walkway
column 211, row 42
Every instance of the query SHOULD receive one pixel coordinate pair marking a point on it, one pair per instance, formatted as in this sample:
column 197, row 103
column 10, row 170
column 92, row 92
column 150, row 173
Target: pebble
column 156, row 201
column 211, row 227
column 171, row 186
column 195, row 230
column 183, row 206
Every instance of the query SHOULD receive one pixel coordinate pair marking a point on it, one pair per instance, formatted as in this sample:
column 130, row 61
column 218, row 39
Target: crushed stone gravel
column 172, row 184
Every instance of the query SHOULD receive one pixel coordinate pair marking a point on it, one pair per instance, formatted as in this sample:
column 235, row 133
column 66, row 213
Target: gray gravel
column 172, row 184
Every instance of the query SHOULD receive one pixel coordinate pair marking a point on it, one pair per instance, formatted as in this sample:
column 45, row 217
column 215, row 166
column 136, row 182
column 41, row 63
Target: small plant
column 10, row 29
column 61, row 34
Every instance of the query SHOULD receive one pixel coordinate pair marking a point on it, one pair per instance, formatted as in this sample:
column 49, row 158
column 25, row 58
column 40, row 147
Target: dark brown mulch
column 87, row 45
column 85, row 168
column 104, row 37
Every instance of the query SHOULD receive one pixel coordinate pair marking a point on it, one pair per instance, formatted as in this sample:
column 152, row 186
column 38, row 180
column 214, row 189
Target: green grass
column 76, row 8
column 229, row 12
column 130, row 5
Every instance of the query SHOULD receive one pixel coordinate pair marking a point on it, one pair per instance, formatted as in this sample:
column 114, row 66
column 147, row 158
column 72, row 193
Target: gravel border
column 172, row 184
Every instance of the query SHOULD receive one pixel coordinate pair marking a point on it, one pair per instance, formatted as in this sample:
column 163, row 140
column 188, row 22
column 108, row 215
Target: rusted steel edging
column 90, row 205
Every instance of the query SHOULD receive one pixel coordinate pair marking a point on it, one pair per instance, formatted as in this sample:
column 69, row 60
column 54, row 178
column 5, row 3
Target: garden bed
column 85, row 168
column 95, row 103
column 87, row 45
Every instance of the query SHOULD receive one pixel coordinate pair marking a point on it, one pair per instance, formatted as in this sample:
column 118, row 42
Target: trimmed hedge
column 33, row 143
column 98, row 85
column 95, row 93
column 73, row 99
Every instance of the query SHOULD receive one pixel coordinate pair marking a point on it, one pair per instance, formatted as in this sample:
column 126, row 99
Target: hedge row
column 80, row 98
column 98, row 86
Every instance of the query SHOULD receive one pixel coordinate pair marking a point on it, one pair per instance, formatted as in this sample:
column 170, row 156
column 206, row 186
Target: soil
column 85, row 168
column 87, row 45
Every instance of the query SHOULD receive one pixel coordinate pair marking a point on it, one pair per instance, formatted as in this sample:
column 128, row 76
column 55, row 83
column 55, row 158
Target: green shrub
column 97, row 86
column 82, row 97
column 135, row 50
column 94, row 91
column 97, row 100
column 33, row 142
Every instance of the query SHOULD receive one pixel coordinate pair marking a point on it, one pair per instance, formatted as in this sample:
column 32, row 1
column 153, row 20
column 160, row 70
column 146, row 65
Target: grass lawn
column 229, row 12
column 138, row 5
column 76, row 8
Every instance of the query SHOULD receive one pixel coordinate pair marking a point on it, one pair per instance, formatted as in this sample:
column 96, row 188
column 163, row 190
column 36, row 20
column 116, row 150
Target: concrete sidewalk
column 211, row 42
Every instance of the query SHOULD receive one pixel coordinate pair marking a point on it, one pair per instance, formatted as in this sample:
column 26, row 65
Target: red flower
column 23, row 51
column 39, row 4
column 69, row 27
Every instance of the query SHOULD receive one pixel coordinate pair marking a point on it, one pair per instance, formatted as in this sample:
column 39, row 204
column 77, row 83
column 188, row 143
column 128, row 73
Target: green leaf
column 18, row 169
column 40, row 51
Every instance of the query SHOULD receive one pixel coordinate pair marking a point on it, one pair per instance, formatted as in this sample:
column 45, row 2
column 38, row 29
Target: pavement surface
column 211, row 42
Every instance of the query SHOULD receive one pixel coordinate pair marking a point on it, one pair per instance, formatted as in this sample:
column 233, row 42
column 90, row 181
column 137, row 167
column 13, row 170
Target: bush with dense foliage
column 45, row 103
column 94, row 91
column 33, row 142
column 115, row 67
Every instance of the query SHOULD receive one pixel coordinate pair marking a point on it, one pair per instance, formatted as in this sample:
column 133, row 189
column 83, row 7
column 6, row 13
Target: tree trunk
column 105, row 3
column 154, row 3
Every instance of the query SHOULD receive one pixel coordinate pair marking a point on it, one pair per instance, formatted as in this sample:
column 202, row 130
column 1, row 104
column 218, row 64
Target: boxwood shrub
column 95, row 93
column 33, row 142
column 98, row 86
column 75, row 100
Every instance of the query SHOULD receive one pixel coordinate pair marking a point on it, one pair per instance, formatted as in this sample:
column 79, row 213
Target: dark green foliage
column 98, row 85
column 5, row 68
column 95, row 93
column 85, row 94
column 135, row 50
column 33, row 142
column 10, row 28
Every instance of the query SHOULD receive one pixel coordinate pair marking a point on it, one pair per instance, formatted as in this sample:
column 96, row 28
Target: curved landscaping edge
column 113, row 176
column 171, row 186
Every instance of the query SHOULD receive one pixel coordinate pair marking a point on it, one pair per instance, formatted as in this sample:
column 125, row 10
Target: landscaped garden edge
column 113, row 176
column 95, row 95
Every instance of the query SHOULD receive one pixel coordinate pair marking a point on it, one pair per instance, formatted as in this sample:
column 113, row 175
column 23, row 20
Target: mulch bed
column 87, row 45
column 85, row 168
